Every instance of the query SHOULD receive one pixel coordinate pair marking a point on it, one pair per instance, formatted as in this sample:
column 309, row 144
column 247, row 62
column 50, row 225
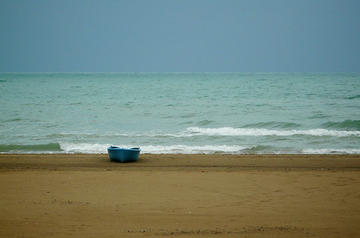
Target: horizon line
column 170, row 72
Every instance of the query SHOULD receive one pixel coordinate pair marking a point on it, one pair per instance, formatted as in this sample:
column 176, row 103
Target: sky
column 180, row 36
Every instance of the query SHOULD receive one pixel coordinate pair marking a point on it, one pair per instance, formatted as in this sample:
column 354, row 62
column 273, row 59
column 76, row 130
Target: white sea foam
column 84, row 148
column 154, row 149
column 230, row 131
column 185, row 149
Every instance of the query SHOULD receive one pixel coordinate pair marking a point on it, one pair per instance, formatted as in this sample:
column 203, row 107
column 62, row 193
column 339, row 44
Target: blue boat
column 123, row 154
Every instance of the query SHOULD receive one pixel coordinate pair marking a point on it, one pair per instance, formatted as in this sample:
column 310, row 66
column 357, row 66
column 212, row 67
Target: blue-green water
column 180, row 112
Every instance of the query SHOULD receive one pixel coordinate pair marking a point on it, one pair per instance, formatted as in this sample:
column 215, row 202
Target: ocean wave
column 353, row 97
column 45, row 148
column 347, row 125
column 202, row 149
column 230, row 131
column 154, row 149
column 202, row 132
column 86, row 148
column 331, row 151
column 260, row 149
column 273, row 124
column 205, row 122
column 186, row 149
column 114, row 134
column 12, row 120
column 97, row 148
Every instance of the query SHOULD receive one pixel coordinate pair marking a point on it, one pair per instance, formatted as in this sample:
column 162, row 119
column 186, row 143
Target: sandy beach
column 86, row 195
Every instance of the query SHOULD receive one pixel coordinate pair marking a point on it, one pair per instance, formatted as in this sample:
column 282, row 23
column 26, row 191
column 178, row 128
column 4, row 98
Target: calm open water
column 180, row 112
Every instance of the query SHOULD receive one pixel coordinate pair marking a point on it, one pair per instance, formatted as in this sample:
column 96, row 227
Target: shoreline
column 180, row 161
column 86, row 195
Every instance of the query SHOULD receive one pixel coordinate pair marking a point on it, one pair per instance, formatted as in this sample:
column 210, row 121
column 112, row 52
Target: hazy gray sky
column 180, row 36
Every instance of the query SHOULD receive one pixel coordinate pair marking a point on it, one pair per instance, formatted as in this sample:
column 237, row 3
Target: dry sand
column 180, row 196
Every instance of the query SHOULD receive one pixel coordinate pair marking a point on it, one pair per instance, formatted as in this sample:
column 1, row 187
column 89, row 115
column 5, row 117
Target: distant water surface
column 180, row 112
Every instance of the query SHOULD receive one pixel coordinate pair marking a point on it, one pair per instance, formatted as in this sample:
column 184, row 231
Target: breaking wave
column 155, row 149
column 221, row 131
column 89, row 148
column 202, row 149
column 230, row 131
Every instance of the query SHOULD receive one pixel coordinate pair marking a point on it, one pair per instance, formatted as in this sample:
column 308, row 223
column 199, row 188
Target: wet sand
column 180, row 196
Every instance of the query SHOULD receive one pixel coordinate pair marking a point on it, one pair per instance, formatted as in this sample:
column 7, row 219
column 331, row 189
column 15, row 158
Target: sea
column 182, row 113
